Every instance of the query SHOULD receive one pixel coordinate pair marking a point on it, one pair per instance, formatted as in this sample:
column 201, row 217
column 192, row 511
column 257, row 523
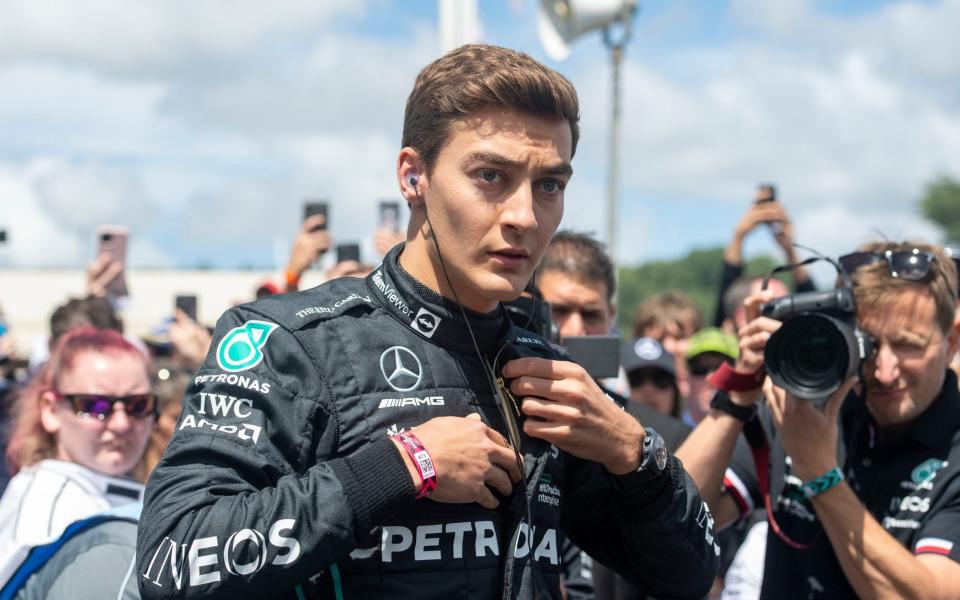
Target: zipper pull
column 502, row 387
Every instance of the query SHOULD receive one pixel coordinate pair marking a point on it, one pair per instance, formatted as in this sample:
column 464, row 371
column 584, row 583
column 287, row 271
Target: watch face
column 660, row 455
column 655, row 453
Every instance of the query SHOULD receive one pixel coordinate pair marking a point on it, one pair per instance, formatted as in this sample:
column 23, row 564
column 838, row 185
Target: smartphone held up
column 112, row 250
column 390, row 215
column 347, row 252
column 767, row 192
column 188, row 304
column 317, row 207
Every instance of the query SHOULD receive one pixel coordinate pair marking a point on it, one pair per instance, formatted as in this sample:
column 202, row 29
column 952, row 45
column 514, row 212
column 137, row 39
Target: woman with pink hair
column 80, row 428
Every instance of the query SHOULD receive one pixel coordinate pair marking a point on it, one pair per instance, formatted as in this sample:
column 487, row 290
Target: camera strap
column 760, row 449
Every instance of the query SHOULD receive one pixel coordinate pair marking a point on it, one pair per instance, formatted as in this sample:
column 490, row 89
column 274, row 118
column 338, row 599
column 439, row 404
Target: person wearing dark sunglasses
column 101, row 407
column 707, row 350
column 652, row 374
column 80, row 428
column 862, row 487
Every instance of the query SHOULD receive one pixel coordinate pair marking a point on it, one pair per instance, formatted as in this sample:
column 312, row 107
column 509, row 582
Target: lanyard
column 760, row 449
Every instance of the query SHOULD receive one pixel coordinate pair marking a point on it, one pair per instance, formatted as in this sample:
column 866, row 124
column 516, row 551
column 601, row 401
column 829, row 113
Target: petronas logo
column 242, row 347
column 927, row 470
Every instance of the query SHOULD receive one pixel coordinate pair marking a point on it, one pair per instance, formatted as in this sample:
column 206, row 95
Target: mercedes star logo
column 401, row 368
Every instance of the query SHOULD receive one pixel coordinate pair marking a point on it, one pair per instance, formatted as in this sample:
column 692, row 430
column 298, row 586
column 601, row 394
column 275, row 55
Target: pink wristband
column 421, row 459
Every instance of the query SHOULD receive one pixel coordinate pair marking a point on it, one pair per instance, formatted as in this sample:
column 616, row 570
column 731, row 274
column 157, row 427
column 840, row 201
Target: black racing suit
column 281, row 480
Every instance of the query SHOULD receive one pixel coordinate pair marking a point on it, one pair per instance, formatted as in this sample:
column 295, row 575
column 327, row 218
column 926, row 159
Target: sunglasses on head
column 954, row 253
column 661, row 379
column 100, row 406
column 912, row 265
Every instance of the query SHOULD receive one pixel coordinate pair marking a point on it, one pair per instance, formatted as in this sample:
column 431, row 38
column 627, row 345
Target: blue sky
column 204, row 126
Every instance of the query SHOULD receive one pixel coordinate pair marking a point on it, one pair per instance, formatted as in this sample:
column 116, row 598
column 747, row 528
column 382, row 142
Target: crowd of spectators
column 87, row 416
column 95, row 407
column 855, row 495
column 84, row 428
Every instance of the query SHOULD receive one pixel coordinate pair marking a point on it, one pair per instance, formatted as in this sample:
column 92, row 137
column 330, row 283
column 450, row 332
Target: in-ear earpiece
column 414, row 179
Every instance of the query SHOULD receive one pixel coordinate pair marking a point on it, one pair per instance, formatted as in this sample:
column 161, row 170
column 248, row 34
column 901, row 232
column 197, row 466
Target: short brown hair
column 873, row 285
column 660, row 311
column 478, row 76
column 83, row 312
column 581, row 257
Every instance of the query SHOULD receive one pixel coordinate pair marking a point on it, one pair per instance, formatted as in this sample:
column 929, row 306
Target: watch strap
column 722, row 402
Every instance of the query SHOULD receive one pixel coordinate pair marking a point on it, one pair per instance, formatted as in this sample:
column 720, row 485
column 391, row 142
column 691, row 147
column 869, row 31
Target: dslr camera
column 820, row 344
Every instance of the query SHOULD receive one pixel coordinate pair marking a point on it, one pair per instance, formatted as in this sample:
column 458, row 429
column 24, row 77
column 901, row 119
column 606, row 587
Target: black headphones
column 414, row 181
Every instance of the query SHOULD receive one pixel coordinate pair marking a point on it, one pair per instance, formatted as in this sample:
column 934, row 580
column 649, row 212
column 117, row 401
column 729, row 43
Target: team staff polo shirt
column 911, row 486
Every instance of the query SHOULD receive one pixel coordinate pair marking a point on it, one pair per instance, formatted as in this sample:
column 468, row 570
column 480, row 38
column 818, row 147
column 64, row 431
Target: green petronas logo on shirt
column 926, row 470
column 242, row 347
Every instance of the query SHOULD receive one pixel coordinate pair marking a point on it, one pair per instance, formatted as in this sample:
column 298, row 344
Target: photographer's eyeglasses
column 912, row 265
column 101, row 406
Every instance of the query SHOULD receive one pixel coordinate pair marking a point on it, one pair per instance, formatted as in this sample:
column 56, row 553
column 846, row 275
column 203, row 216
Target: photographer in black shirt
column 864, row 497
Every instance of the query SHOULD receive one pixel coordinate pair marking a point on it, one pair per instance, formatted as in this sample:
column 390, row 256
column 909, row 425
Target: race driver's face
column 494, row 198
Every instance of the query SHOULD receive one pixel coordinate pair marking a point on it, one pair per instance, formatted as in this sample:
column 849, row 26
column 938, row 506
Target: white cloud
column 139, row 39
column 832, row 108
column 338, row 84
column 911, row 40
column 216, row 171
column 838, row 229
column 207, row 124
column 831, row 131
column 51, row 211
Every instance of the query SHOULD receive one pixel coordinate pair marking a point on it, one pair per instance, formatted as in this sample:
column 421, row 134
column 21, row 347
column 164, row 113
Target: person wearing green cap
column 707, row 349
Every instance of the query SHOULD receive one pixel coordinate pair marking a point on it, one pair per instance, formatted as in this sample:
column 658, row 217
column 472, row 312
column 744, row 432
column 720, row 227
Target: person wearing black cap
column 652, row 374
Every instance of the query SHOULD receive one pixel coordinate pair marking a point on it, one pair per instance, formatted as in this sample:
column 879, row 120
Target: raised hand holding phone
column 105, row 275
column 188, row 304
column 388, row 232
column 767, row 194
column 313, row 209
column 311, row 243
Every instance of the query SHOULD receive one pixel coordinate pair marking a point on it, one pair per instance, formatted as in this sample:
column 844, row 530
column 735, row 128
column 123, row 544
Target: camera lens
column 810, row 355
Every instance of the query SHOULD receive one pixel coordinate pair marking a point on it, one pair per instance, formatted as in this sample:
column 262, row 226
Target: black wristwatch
column 654, row 456
column 722, row 402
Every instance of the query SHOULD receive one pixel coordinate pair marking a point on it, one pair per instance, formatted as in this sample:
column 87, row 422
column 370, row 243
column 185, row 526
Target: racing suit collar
column 429, row 314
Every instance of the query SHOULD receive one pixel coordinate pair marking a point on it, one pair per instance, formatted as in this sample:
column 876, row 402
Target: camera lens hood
column 812, row 354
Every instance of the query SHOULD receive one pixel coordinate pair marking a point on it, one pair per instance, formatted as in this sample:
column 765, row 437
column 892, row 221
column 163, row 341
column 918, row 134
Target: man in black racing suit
column 286, row 476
